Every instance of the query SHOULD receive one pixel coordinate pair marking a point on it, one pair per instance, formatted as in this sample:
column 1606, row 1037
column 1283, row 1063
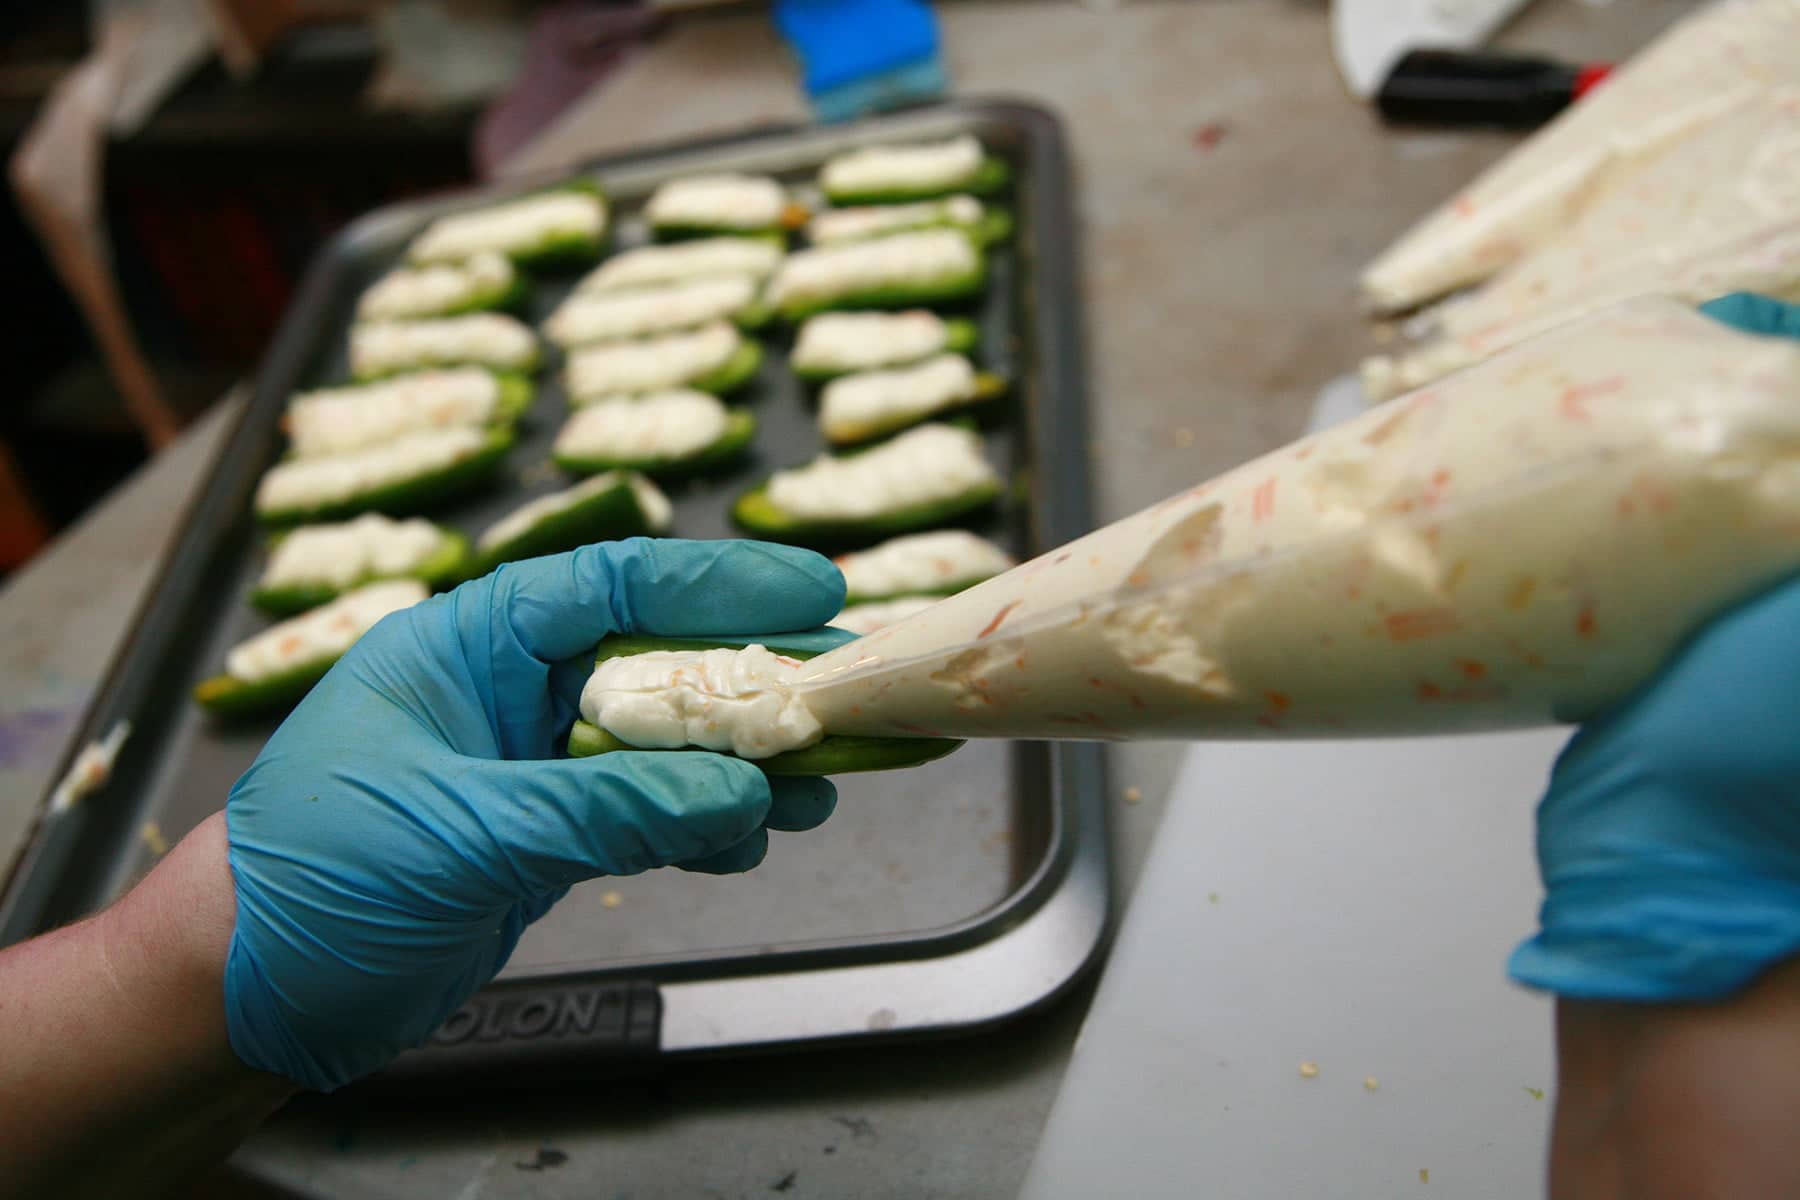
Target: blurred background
column 173, row 164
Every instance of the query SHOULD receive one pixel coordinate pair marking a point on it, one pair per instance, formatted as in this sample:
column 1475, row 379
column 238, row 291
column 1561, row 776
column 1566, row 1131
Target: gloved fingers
column 1755, row 314
column 735, row 860
column 567, row 678
column 798, row 804
column 558, row 606
column 548, row 824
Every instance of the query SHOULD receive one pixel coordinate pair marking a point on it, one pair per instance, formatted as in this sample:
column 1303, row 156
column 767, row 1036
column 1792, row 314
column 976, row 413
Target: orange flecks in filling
column 998, row 617
column 1458, row 570
column 1262, row 501
column 1520, row 597
column 1584, row 621
column 1279, row 701
column 1471, row 667
column 1572, row 404
column 1419, row 623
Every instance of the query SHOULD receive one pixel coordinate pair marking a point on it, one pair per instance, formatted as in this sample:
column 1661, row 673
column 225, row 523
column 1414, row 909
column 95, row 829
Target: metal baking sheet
column 998, row 848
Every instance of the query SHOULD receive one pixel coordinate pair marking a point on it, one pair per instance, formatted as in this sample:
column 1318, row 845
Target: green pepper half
column 989, row 387
column 962, row 288
column 793, row 217
column 228, row 696
column 416, row 494
column 836, row 754
column 607, row 515
column 990, row 177
column 961, row 336
column 559, row 253
column 740, row 431
column 756, row 514
column 447, row 567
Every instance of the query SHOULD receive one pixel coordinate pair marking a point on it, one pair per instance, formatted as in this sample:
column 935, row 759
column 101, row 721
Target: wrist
column 165, row 944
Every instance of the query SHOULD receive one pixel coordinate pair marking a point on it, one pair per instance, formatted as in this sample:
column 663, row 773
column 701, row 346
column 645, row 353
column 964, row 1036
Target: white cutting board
column 1347, row 904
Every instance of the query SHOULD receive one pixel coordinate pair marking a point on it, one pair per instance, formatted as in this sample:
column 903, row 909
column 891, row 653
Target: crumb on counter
column 91, row 768
column 1424, row 1174
column 1370, row 1083
column 1309, row 1070
column 1184, row 437
column 1133, row 795
column 611, row 899
column 1535, row 1093
column 152, row 836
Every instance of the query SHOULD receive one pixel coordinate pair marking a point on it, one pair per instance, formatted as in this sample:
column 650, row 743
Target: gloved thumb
column 557, row 822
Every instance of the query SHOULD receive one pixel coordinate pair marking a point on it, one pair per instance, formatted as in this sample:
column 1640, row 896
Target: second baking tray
column 941, row 898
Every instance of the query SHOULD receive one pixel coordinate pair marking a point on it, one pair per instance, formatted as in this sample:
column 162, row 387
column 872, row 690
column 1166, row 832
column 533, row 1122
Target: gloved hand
column 411, row 817
column 1669, row 838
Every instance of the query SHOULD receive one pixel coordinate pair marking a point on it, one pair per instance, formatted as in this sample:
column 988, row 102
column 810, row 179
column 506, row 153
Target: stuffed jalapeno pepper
column 905, row 270
column 984, row 225
column 935, row 564
column 409, row 474
column 710, row 205
column 551, row 228
column 932, row 475
column 610, row 316
column 730, row 697
column 617, row 504
column 840, row 343
column 902, row 173
column 678, row 432
column 315, row 564
column 715, row 358
column 341, row 420
column 492, row 340
column 274, row 669
column 449, row 289
column 680, row 262
column 872, row 404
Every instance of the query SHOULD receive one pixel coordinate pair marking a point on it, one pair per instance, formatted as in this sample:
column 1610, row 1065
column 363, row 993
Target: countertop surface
column 1229, row 190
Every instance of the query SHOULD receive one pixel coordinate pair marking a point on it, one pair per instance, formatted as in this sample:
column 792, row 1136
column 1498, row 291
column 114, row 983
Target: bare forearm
column 115, row 1070
column 1685, row 1101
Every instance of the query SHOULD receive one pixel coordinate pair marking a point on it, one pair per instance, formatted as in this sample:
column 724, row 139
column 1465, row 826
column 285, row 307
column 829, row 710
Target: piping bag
column 1521, row 543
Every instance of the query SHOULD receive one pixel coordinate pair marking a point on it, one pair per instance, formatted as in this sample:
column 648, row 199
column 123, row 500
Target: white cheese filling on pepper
column 828, row 272
column 718, row 202
column 663, row 425
column 655, row 506
column 339, row 420
column 337, row 555
column 904, row 168
column 879, row 614
column 727, row 700
column 324, row 633
column 482, row 339
column 923, row 562
column 625, row 368
column 875, row 220
column 702, row 258
column 303, row 483
column 613, row 316
column 857, row 405
column 927, row 465
column 516, row 227
column 863, row 341
column 436, row 288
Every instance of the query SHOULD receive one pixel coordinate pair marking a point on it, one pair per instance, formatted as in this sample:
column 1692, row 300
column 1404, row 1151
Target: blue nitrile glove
column 1669, row 839
column 412, row 816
